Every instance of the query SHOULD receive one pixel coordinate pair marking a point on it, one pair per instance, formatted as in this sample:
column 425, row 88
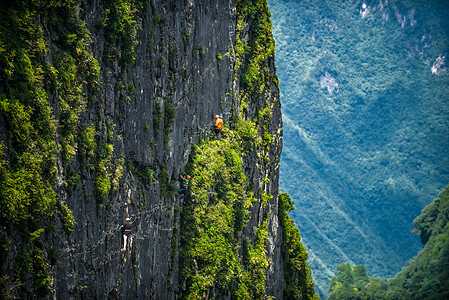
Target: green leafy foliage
column 144, row 173
column 213, row 217
column 102, row 173
column 248, row 135
column 434, row 218
column 212, row 220
column 157, row 116
column 168, row 186
column 87, row 146
column 297, row 275
column 30, row 73
column 260, row 46
column 26, row 158
column 254, row 69
column 354, row 283
column 120, row 23
column 169, row 117
column 426, row 276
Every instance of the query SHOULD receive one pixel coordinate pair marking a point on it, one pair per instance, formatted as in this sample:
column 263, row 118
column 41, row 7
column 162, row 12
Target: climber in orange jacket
column 218, row 124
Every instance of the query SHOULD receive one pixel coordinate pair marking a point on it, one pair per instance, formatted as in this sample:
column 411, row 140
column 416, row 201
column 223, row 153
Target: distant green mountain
column 365, row 92
column 426, row 277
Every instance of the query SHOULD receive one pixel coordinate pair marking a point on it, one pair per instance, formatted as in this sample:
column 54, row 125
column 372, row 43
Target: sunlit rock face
column 438, row 66
column 328, row 82
column 364, row 91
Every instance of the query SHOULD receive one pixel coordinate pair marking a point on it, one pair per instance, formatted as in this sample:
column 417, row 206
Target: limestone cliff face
column 165, row 68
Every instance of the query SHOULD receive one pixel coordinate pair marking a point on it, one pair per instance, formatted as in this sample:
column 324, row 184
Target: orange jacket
column 218, row 123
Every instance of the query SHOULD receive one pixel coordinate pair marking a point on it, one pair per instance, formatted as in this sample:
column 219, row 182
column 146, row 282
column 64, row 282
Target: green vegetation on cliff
column 212, row 221
column 48, row 78
column 30, row 126
column 297, row 275
column 426, row 276
column 214, row 259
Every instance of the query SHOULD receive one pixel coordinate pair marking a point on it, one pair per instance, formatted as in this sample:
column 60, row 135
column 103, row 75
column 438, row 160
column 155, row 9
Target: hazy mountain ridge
column 364, row 93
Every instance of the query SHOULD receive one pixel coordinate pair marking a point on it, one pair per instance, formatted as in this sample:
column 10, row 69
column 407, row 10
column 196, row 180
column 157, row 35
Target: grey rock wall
column 176, row 69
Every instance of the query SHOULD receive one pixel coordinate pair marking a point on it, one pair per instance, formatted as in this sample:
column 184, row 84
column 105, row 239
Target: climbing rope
column 70, row 253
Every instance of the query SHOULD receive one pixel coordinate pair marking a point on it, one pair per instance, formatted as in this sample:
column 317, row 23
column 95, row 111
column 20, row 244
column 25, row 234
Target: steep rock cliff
column 102, row 105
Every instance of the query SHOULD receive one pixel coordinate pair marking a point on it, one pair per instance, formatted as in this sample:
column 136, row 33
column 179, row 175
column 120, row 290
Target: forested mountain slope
column 425, row 277
column 103, row 105
column 365, row 93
